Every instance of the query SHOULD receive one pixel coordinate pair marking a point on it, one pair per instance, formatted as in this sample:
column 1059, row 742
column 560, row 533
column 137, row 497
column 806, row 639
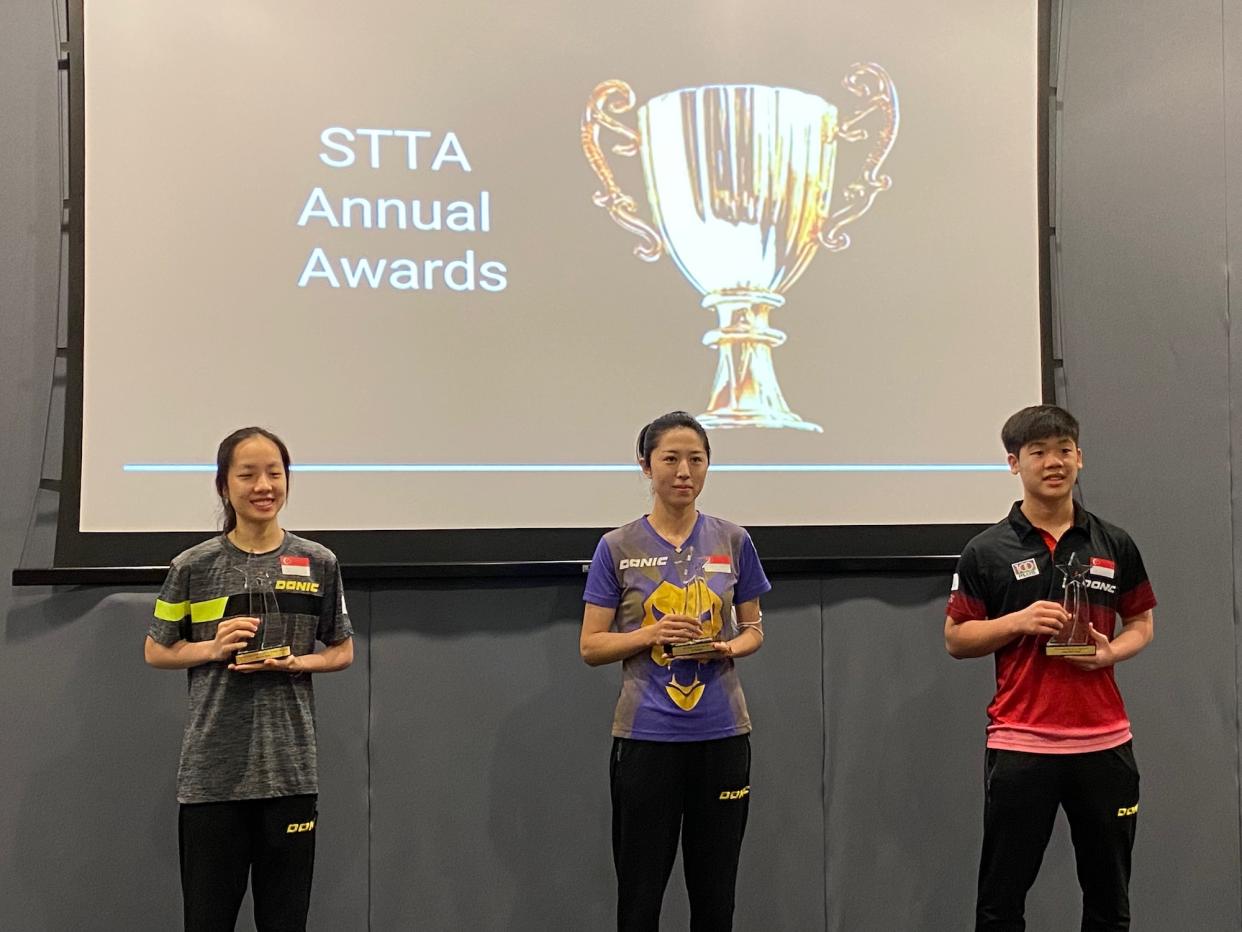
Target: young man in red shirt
column 1058, row 735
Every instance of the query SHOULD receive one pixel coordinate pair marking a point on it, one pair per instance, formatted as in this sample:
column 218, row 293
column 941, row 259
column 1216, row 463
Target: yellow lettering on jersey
column 297, row 585
column 735, row 794
column 296, row 827
column 1127, row 811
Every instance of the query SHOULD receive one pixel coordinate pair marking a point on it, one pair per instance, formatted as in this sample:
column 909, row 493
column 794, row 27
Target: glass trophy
column 271, row 640
column 694, row 604
column 1074, row 639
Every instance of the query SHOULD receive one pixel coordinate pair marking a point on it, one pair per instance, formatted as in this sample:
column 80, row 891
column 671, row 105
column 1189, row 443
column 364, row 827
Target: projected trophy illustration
column 739, row 180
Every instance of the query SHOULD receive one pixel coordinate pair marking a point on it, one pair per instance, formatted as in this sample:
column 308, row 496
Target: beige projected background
column 374, row 229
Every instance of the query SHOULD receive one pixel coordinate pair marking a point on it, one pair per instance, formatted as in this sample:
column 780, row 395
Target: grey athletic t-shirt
column 250, row 735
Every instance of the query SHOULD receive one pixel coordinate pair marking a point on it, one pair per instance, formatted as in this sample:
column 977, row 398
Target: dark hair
column 1038, row 422
column 650, row 435
column 224, row 459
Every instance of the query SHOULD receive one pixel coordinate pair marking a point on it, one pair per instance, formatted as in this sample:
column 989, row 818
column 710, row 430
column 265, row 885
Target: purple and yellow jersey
column 636, row 572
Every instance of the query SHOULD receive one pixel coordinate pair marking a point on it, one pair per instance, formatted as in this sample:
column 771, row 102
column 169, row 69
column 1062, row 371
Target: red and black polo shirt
column 1046, row 704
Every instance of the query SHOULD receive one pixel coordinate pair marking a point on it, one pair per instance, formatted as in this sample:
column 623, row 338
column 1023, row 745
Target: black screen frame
column 492, row 551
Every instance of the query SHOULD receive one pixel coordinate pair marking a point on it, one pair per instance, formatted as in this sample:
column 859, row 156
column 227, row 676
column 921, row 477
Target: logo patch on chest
column 1025, row 569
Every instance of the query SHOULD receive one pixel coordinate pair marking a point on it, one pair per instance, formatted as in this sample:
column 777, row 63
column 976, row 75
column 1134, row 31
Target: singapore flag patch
column 1103, row 567
column 295, row 566
column 1025, row 569
column 718, row 563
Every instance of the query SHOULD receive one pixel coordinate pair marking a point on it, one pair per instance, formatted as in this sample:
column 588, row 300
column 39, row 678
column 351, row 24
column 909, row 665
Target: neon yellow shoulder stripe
column 171, row 611
column 212, row 610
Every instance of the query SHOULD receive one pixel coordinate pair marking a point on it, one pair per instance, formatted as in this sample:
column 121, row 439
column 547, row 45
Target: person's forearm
column 180, row 655
column 1132, row 639
column 979, row 637
column 330, row 659
column 746, row 643
column 601, row 647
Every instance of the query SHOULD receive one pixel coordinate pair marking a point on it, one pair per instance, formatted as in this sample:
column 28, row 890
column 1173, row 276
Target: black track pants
column 269, row 841
column 1099, row 791
column 663, row 791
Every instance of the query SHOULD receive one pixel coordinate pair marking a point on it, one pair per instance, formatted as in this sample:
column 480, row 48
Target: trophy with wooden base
column 271, row 640
column 696, row 602
column 1074, row 639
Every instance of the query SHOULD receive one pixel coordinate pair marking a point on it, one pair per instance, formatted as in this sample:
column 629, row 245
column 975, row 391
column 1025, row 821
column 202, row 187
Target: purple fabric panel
column 601, row 585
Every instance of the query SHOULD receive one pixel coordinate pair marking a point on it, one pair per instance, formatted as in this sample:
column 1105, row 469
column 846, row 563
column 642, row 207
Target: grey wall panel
column 342, row 860
column 904, row 725
column 781, row 878
column 74, row 815
column 1145, row 324
column 489, row 762
column 1232, row 85
column 91, row 738
column 29, row 240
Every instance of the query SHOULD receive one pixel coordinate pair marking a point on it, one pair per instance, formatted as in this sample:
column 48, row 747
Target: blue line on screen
column 587, row 467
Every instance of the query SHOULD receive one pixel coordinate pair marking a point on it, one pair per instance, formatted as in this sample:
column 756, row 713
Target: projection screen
column 457, row 253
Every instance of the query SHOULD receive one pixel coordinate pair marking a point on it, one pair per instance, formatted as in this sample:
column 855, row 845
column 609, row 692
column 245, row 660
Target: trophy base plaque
column 267, row 653
column 1069, row 650
column 693, row 648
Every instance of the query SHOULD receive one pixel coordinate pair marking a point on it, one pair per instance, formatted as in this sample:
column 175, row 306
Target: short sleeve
column 967, row 593
column 334, row 625
column 171, row 620
column 1134, row 592
column 602, row 587
column 752, row 582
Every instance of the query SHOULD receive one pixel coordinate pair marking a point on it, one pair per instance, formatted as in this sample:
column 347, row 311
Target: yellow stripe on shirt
column 171, row 611
column 212, row 610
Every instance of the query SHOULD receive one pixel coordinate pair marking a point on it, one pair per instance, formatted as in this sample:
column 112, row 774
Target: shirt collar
column 1024, row 527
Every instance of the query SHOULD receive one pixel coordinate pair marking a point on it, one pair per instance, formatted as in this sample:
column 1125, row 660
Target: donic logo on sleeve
column 670, row 599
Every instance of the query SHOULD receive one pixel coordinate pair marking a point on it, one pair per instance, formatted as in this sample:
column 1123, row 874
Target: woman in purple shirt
column 675, row 597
